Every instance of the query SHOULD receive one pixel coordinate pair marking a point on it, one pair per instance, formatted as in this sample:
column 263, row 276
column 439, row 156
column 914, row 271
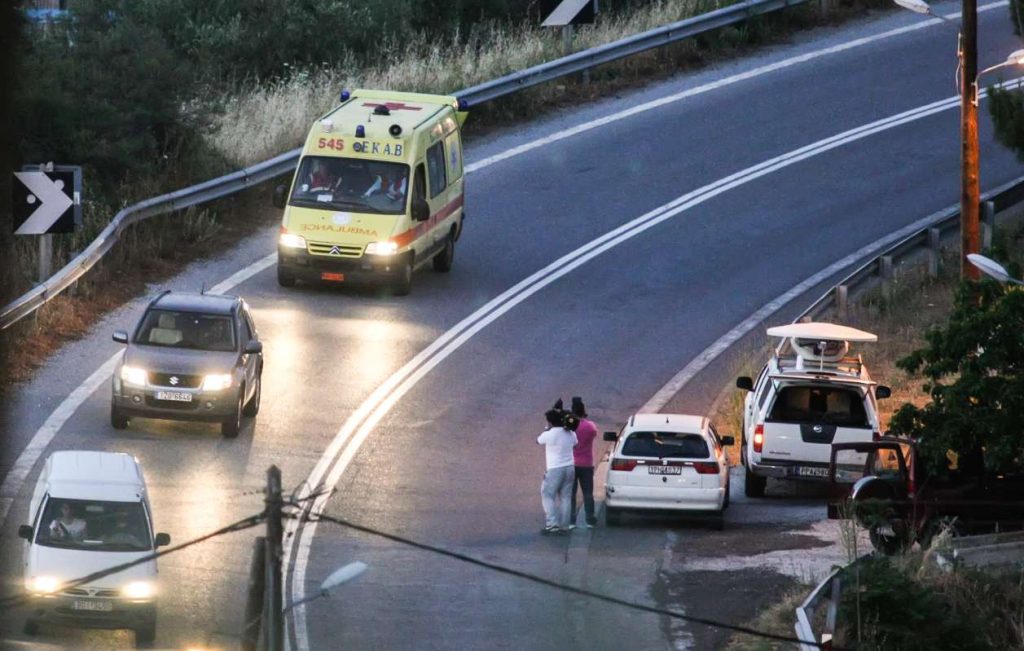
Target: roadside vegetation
column 150, row 96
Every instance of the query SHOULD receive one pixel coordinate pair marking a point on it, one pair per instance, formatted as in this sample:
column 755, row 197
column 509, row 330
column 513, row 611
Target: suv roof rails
column 158, row 297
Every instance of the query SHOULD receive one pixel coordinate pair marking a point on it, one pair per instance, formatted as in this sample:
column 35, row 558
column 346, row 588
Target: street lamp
column 992, row 268
column 336, row 578
column 1015, row 59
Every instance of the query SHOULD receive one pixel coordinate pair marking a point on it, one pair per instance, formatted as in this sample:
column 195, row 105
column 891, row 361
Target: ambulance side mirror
column 420, row 210
column 279, row 195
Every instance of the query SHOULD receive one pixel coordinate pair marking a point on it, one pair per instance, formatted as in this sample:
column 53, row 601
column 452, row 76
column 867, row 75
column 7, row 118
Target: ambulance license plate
column 176, row 396
column 335, row 277
column 97, row 605
column 664, row 470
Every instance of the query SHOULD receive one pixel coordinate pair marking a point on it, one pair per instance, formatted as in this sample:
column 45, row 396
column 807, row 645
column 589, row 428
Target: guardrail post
column 885, row 272
column 988, row 223
column 842, row 292
column 934, row 251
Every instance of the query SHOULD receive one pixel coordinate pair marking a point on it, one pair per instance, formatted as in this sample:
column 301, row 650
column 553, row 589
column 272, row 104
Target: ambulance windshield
column 351, row 184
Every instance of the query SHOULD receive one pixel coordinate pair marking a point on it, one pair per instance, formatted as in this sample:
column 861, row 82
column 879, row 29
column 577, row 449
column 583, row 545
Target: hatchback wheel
column 612, row 516
column 117, row 418
column 145, row 634
column 230, row 428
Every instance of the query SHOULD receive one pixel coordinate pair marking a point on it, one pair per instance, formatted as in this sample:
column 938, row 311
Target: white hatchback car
column 667, row 462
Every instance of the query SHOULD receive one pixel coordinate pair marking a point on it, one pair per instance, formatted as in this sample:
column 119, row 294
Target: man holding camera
column 558, row 440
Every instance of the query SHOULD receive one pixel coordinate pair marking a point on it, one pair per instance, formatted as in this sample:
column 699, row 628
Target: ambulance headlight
column 292, row 241
column 381, row 248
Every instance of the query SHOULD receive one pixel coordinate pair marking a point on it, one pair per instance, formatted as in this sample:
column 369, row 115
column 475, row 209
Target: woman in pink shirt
column 583, row 461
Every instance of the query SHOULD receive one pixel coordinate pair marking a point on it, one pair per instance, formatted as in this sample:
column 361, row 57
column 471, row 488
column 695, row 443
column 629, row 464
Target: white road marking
column 361, row 423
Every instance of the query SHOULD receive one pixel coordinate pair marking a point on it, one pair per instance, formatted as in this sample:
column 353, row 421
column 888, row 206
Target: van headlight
column 292, row 241
column 382, row 248
column 43, row 584
column 217, row 382
column 133, row 375
column 138, row 590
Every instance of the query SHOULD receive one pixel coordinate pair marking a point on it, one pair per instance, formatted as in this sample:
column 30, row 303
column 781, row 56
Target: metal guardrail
column 1005, row 196
column 830, row 588
column 474, row 96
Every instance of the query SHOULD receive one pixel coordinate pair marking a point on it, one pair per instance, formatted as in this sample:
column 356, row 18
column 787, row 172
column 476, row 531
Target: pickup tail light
column 624, row 465
column 706, row 467
column 758, row 437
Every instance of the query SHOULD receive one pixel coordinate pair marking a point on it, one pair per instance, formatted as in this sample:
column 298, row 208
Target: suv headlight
column 43, row 584
column 133, row 375
column 138, row 590
column 382, row 248
column 216, row 382
column 292, row 241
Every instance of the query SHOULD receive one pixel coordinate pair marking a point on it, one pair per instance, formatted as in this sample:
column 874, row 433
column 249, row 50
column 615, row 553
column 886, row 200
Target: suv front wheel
column 117, row 418
column 229, row 429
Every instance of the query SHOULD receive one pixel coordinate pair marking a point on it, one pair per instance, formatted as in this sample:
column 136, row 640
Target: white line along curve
column 360, row 424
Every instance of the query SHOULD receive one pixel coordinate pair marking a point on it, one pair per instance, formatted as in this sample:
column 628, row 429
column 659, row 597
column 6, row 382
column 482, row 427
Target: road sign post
column 273, row 611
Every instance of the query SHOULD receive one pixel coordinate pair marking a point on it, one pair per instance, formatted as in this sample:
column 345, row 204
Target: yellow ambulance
column 377, row 193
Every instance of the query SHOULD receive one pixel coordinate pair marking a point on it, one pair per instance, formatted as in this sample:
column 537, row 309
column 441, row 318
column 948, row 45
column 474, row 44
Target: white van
column 90, row 512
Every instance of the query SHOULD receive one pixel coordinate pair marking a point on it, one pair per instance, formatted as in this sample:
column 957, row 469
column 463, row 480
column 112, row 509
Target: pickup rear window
column 819, row 404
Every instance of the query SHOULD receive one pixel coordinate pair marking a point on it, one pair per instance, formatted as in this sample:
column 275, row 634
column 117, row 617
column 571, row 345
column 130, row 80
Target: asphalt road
column 454, row 462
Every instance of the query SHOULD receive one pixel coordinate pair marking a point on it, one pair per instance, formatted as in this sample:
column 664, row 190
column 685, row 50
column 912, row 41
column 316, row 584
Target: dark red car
column 883, row 486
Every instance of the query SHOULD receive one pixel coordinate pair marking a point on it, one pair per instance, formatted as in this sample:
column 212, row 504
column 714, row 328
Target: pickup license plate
column 176, row 396
column 664, row 470
column 335, row 277
column 98, row 605
column 804, row 471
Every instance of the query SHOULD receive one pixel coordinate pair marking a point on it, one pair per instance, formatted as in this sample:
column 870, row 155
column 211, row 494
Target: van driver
column 67, row 526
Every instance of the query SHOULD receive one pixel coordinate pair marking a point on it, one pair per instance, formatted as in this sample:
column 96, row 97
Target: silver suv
column 809, row 395
column 192, row 357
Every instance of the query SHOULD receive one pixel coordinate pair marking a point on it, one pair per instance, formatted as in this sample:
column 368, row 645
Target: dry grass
column 777, row 619
column 262, row 122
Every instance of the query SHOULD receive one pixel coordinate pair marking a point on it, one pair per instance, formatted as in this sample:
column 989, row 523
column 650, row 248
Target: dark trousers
column 585, row 481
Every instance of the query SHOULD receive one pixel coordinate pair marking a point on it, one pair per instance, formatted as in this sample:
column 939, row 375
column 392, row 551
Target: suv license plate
column 176, row 396
column 98, row 605
column 327, row 275
column 664, row 470
column 812, row 472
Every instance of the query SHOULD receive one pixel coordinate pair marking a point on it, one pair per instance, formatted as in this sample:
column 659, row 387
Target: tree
column 974, row 367
column 1007, row 106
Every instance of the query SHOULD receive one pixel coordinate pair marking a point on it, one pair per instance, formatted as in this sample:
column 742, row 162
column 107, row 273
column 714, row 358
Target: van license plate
column 98, row 605
column 176, row 396
column 664, row 470
column 812, row 472
column 327, row 275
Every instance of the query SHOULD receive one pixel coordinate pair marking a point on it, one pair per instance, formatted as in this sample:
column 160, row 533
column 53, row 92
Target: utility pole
column 273, row 612
column 970, row 191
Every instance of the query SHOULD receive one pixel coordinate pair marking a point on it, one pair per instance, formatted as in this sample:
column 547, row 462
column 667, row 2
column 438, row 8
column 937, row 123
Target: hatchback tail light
column 706, row 467
column 625, row 465
column 758, row 437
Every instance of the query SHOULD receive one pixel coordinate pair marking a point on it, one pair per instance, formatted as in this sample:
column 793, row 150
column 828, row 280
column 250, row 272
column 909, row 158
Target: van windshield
column 351, row 184
column 94, row 526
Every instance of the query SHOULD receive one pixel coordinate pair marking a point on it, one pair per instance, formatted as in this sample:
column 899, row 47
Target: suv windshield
column 351, row 184
column 665, row 444
column 819, row 404
column 187, row 330
column 94, row 526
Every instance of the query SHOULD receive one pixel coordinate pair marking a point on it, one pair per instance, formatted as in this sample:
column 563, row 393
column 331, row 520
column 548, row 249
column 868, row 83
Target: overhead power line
column 562, row 586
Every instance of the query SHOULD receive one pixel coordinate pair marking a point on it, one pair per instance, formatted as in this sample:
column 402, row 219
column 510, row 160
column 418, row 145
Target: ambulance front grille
column 335, row 250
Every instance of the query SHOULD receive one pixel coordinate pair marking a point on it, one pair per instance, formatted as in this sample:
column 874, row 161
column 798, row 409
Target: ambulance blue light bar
column 360, row 131
column 345, row 94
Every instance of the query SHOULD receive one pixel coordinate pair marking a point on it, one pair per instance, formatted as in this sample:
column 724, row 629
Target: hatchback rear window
column 819, row 404
column 666, row 445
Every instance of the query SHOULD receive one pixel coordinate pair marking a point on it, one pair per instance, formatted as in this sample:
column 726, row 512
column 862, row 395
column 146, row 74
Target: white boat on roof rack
column 820, row 348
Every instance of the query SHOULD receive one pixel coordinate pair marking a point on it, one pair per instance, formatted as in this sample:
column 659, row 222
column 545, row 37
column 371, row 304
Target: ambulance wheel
column 443, row 260
column 284, row 279
column 403, row 284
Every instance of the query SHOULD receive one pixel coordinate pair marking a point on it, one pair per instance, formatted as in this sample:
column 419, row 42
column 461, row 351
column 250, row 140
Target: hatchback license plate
column 812, row 472
column 665, row 470
column 176, row 396
column 327, row 275
column 95, row 606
